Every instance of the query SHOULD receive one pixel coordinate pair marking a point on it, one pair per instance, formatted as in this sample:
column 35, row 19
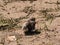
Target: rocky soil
column 47, row 14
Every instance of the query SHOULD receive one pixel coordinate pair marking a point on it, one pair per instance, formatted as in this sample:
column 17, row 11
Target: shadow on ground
column 32, row 32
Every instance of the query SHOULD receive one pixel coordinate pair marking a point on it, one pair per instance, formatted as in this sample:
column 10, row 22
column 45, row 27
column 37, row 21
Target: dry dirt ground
column 49, row 35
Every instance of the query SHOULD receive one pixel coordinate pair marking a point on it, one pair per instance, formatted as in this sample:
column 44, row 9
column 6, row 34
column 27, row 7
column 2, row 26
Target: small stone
column 11, row 38
column 8, row 13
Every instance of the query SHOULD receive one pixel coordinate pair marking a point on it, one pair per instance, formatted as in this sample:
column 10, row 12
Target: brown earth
column 15, row 10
